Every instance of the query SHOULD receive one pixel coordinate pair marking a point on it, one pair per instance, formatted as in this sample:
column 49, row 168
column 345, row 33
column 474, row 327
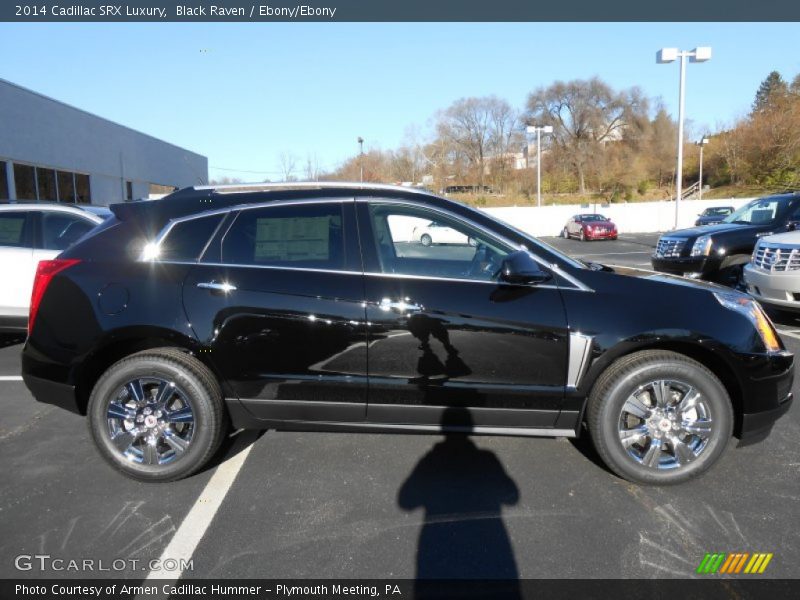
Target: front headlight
column 752, row 310
column 702, row 246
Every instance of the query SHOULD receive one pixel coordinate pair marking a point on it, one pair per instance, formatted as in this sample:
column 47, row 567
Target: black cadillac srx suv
column 720, row 252
column 311, row 306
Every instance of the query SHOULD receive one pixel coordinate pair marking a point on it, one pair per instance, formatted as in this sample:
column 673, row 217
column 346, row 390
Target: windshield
column 593, row 218
column 717, row 212
column 760, row 211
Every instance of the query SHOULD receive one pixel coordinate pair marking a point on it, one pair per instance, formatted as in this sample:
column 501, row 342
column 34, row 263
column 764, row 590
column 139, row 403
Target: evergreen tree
column 772, row 87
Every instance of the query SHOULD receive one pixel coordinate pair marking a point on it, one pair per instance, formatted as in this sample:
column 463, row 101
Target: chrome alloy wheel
column 150, row 421
column 665, row 424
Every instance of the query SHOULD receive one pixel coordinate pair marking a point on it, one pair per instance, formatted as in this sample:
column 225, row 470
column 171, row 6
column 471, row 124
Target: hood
column 790, row 237
column 693, row 232
column 666, row 278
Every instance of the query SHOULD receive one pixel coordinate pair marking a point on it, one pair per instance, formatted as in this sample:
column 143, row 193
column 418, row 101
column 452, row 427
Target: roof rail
column 305, row 185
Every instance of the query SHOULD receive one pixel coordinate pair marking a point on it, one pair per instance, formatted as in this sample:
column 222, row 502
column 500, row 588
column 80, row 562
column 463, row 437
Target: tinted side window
column 186, row 240
column 59, row 231
column 457, row 250
column 309, row 236
column 15, row 229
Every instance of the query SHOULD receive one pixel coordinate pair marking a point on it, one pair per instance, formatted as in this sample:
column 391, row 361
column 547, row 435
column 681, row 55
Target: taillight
column 45, row 271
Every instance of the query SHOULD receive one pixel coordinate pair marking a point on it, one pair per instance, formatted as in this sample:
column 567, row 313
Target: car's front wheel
column 157, row 415
column 426, row 239
column 565, row 233
column 658, row 417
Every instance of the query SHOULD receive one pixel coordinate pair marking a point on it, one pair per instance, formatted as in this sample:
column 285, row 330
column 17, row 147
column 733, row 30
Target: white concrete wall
column 634, row 217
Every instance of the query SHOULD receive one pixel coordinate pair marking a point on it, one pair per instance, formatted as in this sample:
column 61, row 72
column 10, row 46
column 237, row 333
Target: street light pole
column 361, row 158
column 668, row 55
column 539, row 130
column 701, row 143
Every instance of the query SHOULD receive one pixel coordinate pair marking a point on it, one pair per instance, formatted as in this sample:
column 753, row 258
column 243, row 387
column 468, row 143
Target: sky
column 243, row 94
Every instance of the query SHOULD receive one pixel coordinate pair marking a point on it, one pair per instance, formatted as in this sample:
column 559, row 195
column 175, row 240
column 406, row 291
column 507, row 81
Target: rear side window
column 59, row 231
column 187, row 239
column 15, row 229
column 308, row 236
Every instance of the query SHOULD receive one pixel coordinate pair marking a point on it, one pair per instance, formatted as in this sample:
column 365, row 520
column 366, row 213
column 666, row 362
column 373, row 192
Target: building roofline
column 86, row 112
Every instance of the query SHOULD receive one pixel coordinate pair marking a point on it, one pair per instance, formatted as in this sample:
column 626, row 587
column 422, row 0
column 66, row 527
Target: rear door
column 278, row 300
column 17, row 266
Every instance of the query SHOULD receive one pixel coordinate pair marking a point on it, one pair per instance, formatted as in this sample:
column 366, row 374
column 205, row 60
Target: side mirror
column 520, row 268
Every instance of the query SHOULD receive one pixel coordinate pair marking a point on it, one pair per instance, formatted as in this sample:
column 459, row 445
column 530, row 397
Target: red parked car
column 590, row 227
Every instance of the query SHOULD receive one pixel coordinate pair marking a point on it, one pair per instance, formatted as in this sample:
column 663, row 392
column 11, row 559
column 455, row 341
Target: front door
column 278, row 300
column 444, row 333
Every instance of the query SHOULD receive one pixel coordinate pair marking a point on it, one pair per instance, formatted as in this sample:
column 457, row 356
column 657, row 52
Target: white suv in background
column 773, row 275
column 30, row 233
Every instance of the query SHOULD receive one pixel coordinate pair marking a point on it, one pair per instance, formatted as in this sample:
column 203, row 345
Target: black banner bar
column 397, row 10
column 711, row 588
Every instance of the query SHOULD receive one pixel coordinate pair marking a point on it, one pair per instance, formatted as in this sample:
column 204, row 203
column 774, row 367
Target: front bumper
column 684, row 264
column 600, row 235
column 773, row 287
column 767, row 389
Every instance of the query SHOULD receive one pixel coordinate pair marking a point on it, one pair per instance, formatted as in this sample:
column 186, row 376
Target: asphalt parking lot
column 316, row 505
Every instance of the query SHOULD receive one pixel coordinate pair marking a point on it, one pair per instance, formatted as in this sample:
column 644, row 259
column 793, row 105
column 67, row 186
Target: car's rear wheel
column 157, row 415
column 425, row 240
column 658, row 417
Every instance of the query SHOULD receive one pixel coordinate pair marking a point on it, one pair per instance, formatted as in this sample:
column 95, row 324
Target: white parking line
column 10, row 377
column 794, row 334
column 194, row 526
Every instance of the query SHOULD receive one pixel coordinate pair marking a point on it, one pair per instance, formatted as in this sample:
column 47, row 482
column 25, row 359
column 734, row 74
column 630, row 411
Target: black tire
column 731, row 271
column 190, row 383
column 582, row 235
column 426, row 240
column 565, row 233
column 615, row 387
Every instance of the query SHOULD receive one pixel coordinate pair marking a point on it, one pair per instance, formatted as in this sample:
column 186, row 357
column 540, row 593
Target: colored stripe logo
column 734, row 563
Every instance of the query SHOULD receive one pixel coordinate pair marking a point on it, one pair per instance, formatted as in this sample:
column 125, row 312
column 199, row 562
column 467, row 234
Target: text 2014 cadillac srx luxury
column 314, row 306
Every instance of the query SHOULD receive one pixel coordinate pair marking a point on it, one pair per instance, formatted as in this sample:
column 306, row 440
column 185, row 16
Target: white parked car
column 30, row 233
column 435, row 233
column 773, row 275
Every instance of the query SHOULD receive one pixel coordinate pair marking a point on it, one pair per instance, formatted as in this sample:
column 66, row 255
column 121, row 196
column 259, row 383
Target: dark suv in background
column 720, row 252
column 311, row 306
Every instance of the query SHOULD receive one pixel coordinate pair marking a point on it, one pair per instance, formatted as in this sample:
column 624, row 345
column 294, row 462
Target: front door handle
column 403, row 306
column 217, row 286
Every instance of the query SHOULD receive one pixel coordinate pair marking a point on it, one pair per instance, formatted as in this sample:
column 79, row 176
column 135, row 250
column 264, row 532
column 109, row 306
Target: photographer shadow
column 462, row 489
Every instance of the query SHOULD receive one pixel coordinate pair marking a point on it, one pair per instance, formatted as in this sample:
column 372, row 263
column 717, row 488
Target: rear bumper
column 50, row 392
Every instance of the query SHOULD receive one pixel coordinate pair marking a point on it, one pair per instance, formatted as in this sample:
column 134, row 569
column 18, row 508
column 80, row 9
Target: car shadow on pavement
column 232, row 444
column 462, row 489
column 583, row 444
column 11, row 339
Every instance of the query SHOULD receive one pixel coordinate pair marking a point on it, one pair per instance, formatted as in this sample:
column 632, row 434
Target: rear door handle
column 403, row 306
column 217, row 286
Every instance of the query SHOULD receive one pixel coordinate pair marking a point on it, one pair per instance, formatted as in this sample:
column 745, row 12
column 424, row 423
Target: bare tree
column 477, row 129
column 312, row 167
column 585, row 115
column 288, row 163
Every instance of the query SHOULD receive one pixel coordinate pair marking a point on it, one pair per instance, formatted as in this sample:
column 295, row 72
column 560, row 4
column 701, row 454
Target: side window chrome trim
column 505, row 241
column 341, row 272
